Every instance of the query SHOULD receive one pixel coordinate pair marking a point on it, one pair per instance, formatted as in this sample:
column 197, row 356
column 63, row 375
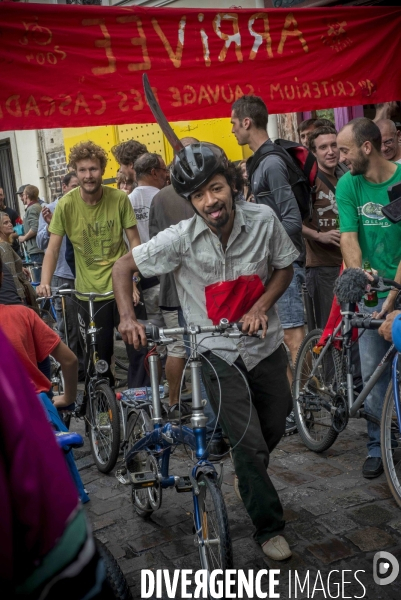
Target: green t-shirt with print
column 96, row 233
column 359, row 204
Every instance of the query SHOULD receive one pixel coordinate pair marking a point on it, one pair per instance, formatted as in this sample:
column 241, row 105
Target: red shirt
column 31, row 338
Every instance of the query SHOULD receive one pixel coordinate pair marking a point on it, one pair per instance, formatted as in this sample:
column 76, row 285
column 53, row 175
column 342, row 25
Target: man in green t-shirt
column 366, row 235
column 94, row 217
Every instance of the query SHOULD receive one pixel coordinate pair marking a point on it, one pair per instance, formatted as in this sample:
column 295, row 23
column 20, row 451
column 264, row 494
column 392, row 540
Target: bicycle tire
column 391, row 454
column 314, row 427
column 121, row 364
column 115, row 577
column 136, row 430
column 104, row 427
column 213, row 554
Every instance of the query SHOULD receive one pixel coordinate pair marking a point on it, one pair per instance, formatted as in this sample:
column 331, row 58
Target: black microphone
column 350, row 286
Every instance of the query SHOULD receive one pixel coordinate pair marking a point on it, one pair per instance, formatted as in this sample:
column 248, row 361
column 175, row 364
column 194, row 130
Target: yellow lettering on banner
column 230, row 99
column 259, row 37
column 190, row 96
column 238, row 92
column 122, row 104
column 203, row 95
column 52, row 108
column 289, row 96
column 276, row 88
column 306, row 90
column 352, row 88
column 176, row 96
column 177, row 56
column 228, row 39
column 316, row 88
column 289, row 20
column 106, row 44
column 137, row 41
column 14, row 111
column 250, row 89
column 102, row 108
column 80, row 102
column 31, row 105
column 324, row 84
column 214, row 93
column 205, row 42
column 67, row 100
column 138, row 99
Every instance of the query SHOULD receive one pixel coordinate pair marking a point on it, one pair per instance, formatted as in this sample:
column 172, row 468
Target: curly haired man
column 94, row 218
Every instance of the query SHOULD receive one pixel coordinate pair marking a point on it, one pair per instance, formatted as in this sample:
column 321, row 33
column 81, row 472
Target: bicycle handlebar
column 366, row 322
column 156, row 334
column 61, row 292
column 380, row 283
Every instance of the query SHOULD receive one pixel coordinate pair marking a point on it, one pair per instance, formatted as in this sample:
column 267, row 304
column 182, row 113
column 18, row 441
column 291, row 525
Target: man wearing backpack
column 321, row 232
column 270, row 183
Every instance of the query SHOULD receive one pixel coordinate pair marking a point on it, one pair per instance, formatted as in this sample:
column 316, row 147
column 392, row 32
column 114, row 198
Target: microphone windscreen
column 351, row 285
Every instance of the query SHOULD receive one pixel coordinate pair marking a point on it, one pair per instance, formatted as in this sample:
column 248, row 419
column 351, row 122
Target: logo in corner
column 385, row 568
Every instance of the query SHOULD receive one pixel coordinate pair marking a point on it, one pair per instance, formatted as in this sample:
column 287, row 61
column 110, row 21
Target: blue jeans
column 372, row 348
column 37, row 258
column 291, row 305
column 213, row 429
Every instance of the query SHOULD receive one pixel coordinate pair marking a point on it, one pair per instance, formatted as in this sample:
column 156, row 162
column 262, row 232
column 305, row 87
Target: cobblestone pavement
column 336, row 520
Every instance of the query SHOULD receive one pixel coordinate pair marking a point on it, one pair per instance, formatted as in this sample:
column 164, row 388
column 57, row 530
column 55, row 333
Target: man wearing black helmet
column 234, row 245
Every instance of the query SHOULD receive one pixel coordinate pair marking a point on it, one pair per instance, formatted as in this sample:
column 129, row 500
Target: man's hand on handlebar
column 388, row 305
column 44, row 290
column 385, row 329
column 132, row 332
column 254, row 320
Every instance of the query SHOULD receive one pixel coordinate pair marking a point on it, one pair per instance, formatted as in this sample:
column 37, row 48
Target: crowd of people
column 166, row 237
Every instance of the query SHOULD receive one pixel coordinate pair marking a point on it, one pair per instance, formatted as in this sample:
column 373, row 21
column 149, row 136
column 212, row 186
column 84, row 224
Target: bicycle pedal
column 183, row 485
column 120, row 476
column 143, row 479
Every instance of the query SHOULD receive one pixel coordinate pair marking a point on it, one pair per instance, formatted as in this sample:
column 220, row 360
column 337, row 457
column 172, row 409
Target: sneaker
column 277, row 548
column 290, row 424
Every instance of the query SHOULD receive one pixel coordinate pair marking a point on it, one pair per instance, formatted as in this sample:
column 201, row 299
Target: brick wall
column 57, row 165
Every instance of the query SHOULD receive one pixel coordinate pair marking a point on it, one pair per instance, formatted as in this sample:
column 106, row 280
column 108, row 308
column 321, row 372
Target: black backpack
column 302, row 171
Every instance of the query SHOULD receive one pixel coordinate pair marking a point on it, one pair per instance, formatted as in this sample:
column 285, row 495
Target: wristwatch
column 136, row 279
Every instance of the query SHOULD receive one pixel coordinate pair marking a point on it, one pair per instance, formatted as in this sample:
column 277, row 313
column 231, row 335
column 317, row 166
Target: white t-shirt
column 141, row 199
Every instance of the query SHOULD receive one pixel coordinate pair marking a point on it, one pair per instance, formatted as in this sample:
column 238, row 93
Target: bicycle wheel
column 390, row 439
column 114, row 575
column 215, row 548
column 314, row 421
column 104, row 427
column 136, row 428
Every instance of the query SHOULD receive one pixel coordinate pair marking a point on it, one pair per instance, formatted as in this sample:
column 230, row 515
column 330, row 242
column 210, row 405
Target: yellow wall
column 217, row 131
column 106, row 137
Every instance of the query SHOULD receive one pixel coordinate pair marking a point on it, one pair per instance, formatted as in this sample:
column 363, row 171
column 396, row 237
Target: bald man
column 391, row 140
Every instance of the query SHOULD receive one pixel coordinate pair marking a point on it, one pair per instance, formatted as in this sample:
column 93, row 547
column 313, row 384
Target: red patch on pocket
column 232, row 299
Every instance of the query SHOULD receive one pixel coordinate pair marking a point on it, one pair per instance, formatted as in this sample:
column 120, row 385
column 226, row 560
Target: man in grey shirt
column 62, row 274
column 271, row 186
column 228, row 243
column 30, row 198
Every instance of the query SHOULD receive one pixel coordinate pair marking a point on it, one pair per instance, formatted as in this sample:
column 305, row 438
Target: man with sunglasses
column 391, row 142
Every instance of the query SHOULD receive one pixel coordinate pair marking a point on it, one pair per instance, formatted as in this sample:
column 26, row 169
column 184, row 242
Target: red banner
column 65, row 66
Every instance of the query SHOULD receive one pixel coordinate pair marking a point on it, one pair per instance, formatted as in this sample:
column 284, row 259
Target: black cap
column 21, row 188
